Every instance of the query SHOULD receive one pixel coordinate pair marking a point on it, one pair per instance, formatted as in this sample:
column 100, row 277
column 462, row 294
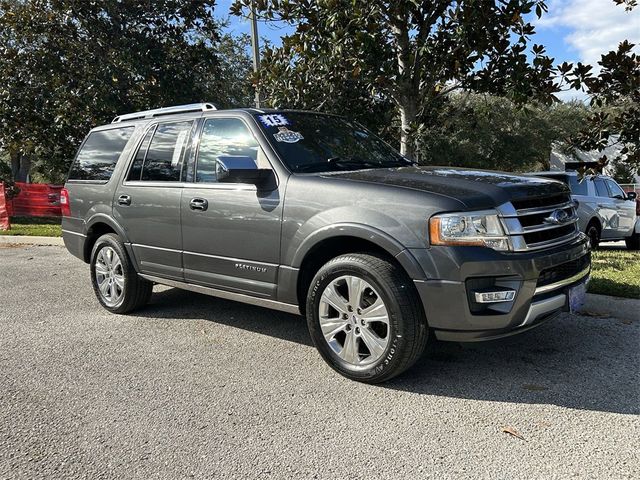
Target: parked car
column 312, row 214
column 605, row 211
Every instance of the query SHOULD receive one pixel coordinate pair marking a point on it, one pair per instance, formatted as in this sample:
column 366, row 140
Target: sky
column 572, row 30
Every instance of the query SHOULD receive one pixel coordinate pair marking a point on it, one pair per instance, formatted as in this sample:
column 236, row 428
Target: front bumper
column 454, row 269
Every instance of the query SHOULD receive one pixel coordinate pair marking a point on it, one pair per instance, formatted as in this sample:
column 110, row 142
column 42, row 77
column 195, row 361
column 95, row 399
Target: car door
column 607, row 209
column 626, row 209
column 147, row 203
column 230, row 231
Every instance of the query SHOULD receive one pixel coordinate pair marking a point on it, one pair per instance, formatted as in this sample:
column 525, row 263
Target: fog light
column 495, row 296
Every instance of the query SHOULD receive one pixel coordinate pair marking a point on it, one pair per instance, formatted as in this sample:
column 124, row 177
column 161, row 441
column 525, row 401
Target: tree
column 614, row 94
column 68, row 65
column 486, row 131
column 408, row 53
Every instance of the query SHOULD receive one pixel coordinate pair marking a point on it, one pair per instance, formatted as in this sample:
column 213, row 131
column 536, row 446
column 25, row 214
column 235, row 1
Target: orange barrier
column 35, row 200
column 4, row 214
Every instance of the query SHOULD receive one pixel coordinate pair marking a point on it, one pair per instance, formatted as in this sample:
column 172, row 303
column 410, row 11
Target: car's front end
column 503, row 271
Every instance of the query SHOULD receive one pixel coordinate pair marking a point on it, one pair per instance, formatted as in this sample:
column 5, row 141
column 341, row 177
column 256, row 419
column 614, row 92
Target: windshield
column 311, row 142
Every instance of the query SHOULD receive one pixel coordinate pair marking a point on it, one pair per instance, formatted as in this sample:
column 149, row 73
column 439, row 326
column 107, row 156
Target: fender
column 103, row 218
column 364, row 232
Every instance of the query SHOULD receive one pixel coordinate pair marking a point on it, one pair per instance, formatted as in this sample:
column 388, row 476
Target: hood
column 475, row 188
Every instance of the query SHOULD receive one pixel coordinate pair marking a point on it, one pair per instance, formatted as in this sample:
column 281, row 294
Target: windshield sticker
column 274, row 120
column 287, row 136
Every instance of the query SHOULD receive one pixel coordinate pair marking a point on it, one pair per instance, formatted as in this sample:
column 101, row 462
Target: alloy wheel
column 354, row 320
column 109, row 276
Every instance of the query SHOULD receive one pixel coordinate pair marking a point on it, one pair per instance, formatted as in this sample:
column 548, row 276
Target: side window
column 601, row 188
column 578, row 187
column 163, row 161
column 99, row 154
column 228, row 138
column 135, row 172
column 615, row 189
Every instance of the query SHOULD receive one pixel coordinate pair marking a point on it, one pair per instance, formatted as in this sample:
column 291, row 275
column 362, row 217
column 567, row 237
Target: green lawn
column 34, row 226
column 615, row 273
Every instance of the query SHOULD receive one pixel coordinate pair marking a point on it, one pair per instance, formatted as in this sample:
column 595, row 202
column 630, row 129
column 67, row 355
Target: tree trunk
column 20, row 166
column 408, row 115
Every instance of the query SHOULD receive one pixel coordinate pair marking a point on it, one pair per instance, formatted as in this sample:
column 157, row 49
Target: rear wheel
column 633, row 242
column 593, row 233
column 365, row 318
column 115, row 282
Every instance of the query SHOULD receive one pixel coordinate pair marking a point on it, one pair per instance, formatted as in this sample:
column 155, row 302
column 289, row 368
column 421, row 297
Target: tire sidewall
column 397, row 327
column 109, row 240
column 592, row 231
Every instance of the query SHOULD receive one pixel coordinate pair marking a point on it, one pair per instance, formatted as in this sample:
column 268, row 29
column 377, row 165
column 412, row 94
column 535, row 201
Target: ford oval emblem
column 557, row 217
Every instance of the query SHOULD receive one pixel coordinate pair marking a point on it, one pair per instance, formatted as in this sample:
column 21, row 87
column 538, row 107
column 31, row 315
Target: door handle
column 198, row 204
column 124, row 200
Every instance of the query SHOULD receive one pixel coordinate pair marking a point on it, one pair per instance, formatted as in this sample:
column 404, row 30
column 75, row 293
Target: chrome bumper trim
column 564, row 282
column 542, row 307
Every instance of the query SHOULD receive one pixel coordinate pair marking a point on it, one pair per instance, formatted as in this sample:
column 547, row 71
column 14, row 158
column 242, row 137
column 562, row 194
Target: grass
column 615, row 273
column 34, row 226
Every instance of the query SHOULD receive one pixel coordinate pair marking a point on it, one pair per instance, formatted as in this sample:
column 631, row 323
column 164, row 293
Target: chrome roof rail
column 192, row 107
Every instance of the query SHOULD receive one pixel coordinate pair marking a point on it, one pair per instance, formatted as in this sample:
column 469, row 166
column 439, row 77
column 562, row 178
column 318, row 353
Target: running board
column 214, row 292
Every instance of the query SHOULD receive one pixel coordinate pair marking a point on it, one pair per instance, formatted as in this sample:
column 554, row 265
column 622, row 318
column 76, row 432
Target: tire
column 353, row 337
column 633, row 242
column 115, row 282
column 593, row 233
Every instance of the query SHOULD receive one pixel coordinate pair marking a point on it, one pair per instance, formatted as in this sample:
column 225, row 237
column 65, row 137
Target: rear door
column 231, row 231
column 147, row 203
column 626, row 209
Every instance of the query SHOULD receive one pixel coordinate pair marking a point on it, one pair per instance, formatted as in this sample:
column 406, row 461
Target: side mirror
column 240, row 169
column 632, row 195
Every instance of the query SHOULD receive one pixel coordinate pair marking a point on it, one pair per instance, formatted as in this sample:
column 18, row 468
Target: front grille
column 540, row 202
column 563, row 271
column 540, row 222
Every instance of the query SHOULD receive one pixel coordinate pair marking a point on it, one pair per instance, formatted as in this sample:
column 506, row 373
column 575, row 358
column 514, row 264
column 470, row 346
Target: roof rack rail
column 192, row 107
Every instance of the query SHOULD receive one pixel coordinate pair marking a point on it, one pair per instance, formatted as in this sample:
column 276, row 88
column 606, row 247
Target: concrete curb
column 27, row 240
column 626, row 308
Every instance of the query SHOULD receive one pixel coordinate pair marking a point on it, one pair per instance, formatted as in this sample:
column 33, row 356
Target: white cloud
column 594, row 26
column 590, row 28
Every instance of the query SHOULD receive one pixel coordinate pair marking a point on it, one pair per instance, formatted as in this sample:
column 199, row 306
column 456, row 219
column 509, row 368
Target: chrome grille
column 540, row 222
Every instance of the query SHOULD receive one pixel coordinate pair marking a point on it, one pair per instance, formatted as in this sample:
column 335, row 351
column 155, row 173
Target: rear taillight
column 64, row 203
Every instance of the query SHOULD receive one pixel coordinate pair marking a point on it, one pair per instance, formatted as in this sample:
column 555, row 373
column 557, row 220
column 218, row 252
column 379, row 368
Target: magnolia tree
column 408, row 53
column 69, row 65
column 393, row 64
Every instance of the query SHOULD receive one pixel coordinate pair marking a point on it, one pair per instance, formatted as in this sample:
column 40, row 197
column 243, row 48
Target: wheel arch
column 336, row 240
column 96, row 227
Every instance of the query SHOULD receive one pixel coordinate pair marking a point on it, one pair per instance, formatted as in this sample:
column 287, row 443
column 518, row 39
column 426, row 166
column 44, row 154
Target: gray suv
column 312, row 214
column 605, row 211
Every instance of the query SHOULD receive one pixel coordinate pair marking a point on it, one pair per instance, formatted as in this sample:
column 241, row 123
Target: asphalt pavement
column 197, row 387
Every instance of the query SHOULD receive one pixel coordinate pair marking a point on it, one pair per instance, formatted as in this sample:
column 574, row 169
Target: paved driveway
column 195, row 387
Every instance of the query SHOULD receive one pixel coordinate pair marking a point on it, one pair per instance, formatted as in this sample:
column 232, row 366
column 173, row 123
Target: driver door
column 230, row 231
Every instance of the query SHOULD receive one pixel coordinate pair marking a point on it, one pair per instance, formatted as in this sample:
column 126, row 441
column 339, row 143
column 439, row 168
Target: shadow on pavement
column 576, row 362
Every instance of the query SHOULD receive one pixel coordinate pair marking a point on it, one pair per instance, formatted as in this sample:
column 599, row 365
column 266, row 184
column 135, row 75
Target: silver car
column 605, row 211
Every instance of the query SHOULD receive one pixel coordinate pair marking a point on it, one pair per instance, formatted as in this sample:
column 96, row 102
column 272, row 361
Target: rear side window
column 601, row 188
column 163, row 161
column 99, row 154
column 577, row 187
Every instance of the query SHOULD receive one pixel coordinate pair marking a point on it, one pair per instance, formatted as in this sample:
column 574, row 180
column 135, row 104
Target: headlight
column 469, row 228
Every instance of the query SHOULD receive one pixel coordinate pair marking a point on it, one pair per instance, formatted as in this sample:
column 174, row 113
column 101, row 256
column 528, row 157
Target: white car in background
column 605, row 211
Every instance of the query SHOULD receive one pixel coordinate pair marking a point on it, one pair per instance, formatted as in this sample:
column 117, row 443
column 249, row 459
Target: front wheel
column 633, row 241
column 593, row 233
column 115, row 282
column 365, row 317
